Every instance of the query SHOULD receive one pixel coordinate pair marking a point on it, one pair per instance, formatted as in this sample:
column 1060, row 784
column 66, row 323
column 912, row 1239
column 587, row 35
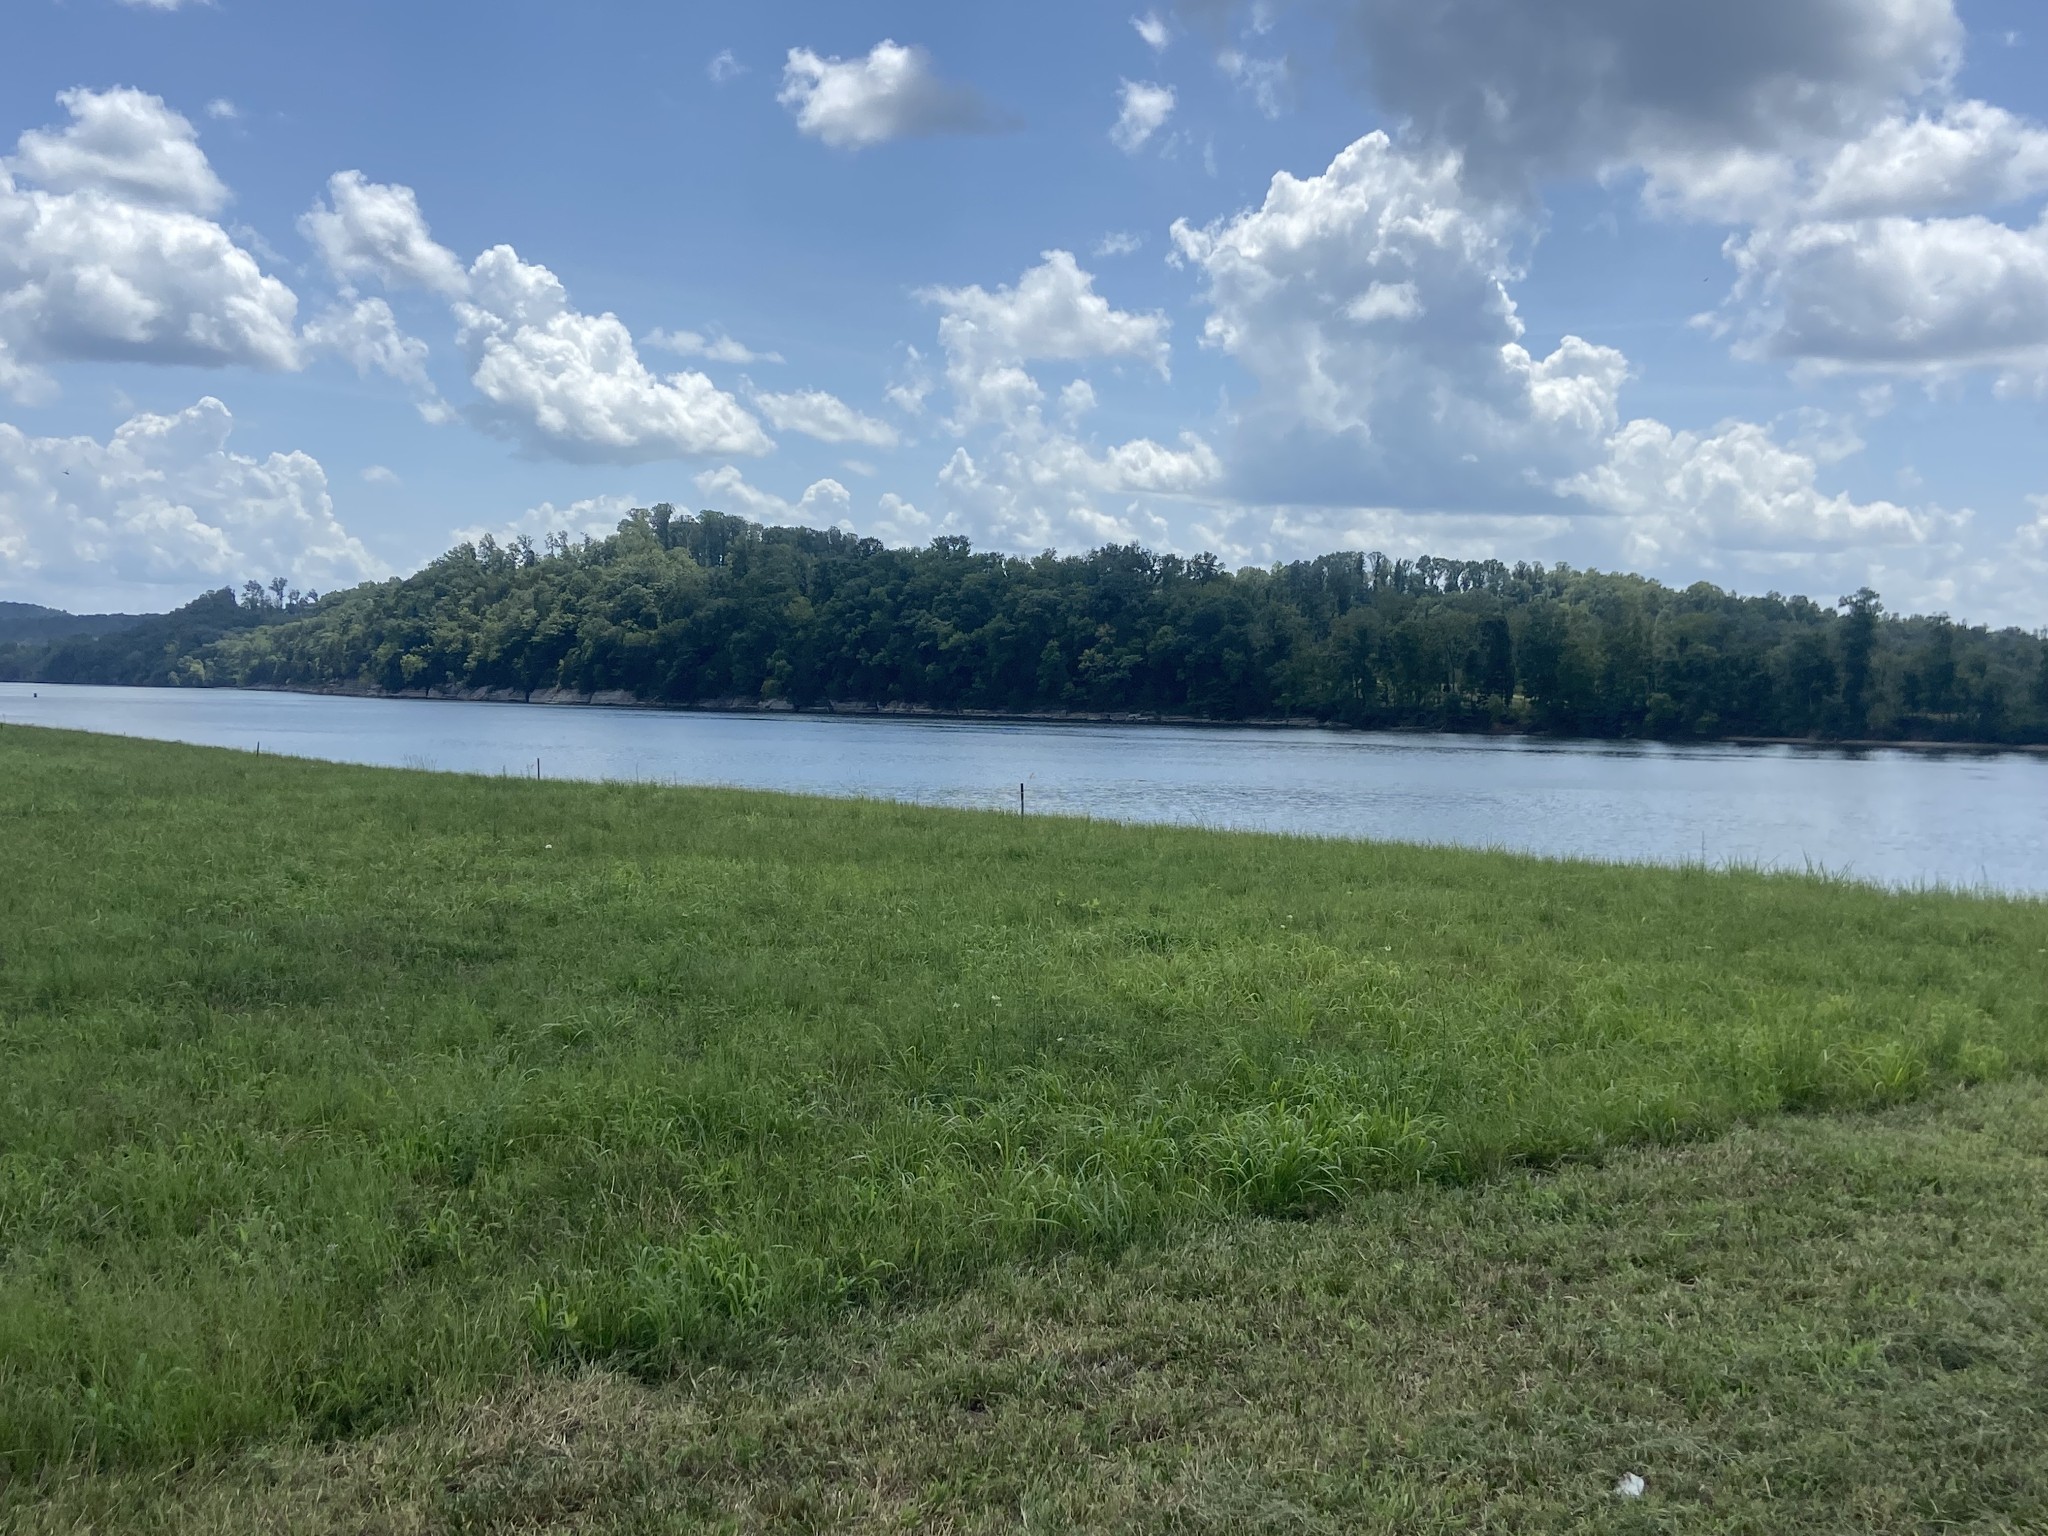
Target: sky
column 1753, row 293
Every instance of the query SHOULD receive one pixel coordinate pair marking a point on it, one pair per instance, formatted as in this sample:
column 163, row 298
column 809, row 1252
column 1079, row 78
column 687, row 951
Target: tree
column 1859, row 643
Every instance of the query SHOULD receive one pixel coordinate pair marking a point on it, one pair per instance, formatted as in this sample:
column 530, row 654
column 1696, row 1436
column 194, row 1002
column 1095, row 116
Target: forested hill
column 694, row 610
column 28, row 623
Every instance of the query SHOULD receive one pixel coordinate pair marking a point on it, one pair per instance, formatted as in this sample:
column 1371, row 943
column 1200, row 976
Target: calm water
column 1895, row 817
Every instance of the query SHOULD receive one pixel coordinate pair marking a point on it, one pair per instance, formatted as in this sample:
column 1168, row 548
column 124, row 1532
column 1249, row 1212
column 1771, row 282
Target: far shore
column 619, row 698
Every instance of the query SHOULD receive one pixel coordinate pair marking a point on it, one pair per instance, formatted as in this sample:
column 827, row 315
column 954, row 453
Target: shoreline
column 619, row 698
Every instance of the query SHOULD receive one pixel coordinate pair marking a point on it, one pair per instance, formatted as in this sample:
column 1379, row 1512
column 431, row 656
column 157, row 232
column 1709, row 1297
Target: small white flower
column 1631, row 1486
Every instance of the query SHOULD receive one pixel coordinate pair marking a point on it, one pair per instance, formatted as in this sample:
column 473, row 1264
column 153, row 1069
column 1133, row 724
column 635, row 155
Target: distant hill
column 716, row 611
column 32, row 624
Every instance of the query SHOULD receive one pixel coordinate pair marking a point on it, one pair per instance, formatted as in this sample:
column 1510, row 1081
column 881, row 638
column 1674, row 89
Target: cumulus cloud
column 725, row 489
column 126, row 145
column 1154, row 31
column 1052, row 314
column 1044, row 490
column 593, row 517
column 717, row 347
column 367, row 229
column 1370, row 302
column 1824, row 129
column 571, row 384
column 108, row 252
column 366, row 335
column 1868, row 256
column 164, row 503
column 1912, row 295
column 892, row 93
column 1034, row 484
column 1968, row 155
column 826, row 417
column 1733, row 490
column 1142, row 111
column 1119, row 242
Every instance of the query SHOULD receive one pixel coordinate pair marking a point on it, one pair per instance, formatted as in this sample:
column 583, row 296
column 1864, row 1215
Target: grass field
column 1823, row 1324
column 335, row 1101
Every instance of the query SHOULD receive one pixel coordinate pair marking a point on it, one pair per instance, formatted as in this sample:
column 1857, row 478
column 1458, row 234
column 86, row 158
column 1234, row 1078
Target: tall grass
column 327, row 1092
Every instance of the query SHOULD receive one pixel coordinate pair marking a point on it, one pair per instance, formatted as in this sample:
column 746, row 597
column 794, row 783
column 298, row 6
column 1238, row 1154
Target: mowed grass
column 1819, row 1324
column 334, row 1098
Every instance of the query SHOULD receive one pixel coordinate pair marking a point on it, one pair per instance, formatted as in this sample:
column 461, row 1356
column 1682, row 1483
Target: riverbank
column 858, row 709
column 339, row 1099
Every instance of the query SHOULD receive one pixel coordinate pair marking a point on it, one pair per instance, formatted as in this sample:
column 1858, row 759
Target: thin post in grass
column 1020, row 799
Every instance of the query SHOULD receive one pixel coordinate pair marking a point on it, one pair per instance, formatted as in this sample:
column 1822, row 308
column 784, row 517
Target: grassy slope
column 1824, row 1324
column 332, row 1096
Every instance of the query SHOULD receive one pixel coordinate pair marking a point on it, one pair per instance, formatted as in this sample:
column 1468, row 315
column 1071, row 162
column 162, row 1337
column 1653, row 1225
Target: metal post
column 1020, row 799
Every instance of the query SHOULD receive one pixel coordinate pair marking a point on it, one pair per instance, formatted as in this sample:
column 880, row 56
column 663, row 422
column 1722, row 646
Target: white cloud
column 124, row 145
column 1968, row 155
column 1371, row 304
column 1825, row 126
column 369, row 229
column 366, row 334
column 724, row 66
column 594, row 517
column 1902, row 294
column 165, row 5
column 379, row 474
column 1267, row 81
column 1143, row 110
column 900, row 521
column 164, row 503
column 1035, row 485
column 892, row 93
column 1036, row 490
column 572, row 385
column 1153, row 31
column 912, row 383
column 1053, row 314
column 716, row 347
column 826, row 417
column 222, row 110
column 114, row 258
column 823, row 503
column 1118, row 243
column 1874, row 253
column 1687, row 495
column 1971, row 155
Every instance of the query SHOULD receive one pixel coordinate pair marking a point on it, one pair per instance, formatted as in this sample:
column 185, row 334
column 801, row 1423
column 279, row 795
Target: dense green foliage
column 330, row 1094
column 710, row 608
column 1824, row 1324
column 30, row 624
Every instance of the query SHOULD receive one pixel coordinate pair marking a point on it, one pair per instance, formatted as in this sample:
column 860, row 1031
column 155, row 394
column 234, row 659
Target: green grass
column 332, row 1099
column 1823, row 1324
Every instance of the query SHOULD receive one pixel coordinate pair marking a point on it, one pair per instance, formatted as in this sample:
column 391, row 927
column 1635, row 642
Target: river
column 1893, row 817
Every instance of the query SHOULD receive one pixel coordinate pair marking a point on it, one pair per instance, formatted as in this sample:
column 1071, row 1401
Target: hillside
column 32, row 624
column 716, row 610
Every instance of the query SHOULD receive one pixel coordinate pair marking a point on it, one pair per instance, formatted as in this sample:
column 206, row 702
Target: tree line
column 715, row 609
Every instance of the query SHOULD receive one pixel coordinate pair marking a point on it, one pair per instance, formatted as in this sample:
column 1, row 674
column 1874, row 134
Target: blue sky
column 1754, row 293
